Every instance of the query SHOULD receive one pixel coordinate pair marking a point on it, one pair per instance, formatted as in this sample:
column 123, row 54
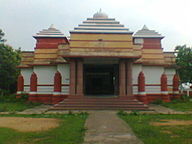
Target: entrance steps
column 87, row 103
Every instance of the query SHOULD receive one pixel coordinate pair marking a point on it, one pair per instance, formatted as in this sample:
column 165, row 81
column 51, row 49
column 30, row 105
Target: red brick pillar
column 57, row 88
column 80, row 77
column 72, row 77
column 20, row 86
column 122, row 78
column 176, row 93
column 33, row 88
column 164, row 91
column 141, row 88
column 129, row 79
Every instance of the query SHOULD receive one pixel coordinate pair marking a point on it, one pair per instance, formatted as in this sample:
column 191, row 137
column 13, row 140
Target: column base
column 33, row 97
column 165, row 96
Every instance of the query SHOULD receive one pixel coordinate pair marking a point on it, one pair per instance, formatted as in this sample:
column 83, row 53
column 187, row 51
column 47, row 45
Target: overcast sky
column 20, row 19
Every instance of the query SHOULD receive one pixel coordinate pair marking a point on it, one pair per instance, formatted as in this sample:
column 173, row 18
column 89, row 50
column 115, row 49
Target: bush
column 158, row 102
column 121, row 113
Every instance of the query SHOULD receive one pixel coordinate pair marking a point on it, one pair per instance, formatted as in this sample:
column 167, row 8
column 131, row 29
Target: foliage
column 9, row 60
column 158, row 102
column 1, row 36
column 121, row 112
column 9, row 103
column 150, row 134
column 70, row 131
column 184, row 63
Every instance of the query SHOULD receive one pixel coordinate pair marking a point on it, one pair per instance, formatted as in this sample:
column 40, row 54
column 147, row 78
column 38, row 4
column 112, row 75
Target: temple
column 102, row 65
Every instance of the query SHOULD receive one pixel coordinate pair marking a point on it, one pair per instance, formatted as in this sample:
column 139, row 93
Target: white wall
column 170, row 72
column 45, row 74
column 153, row 74
column 64, row 69
column 136, row 69
column 26, row 73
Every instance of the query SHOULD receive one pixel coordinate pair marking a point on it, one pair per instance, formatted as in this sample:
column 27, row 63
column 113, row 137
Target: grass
column 16, row 106
column 70, row 131
column 179, row 105
column 9, row 103
column 159, row 134
column 182, row 104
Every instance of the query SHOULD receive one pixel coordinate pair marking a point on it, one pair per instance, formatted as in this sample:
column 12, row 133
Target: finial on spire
column 100, row 10
column 145, row 27
column 51, row 26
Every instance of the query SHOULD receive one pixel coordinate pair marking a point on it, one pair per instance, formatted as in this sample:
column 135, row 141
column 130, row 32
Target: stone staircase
column 90, row 103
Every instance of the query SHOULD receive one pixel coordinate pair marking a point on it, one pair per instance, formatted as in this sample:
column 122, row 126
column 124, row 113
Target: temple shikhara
column 102, row 65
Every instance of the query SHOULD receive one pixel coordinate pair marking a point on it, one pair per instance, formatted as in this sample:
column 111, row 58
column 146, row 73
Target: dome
column 100, row 15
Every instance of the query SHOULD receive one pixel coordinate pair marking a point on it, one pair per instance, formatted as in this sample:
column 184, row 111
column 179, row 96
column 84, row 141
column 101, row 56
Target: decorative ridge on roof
column 100, row 15
column 50, row 32
column 147, row 33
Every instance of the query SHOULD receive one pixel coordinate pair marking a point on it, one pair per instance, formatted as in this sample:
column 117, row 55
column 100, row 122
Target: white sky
column 20, row 19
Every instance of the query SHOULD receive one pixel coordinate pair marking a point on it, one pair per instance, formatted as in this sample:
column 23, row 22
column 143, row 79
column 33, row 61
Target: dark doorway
column 100, row 79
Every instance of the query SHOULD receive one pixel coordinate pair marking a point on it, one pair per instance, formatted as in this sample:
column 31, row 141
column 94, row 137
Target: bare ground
column 29, row 124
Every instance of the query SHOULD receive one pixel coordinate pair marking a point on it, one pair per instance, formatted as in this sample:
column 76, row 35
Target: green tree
column 1, row 36
column 184, row 62
column 9, row 60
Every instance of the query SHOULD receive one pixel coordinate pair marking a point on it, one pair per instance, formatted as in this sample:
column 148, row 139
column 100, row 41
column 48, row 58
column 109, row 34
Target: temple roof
column 100, row 23
column 50, row 32
column 146, row 33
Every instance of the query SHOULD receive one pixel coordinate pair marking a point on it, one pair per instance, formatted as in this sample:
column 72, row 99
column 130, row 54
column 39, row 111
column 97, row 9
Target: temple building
column 102, row 65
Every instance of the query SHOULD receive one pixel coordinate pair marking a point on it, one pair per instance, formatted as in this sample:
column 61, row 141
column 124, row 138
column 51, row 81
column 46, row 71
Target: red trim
column 20, row 83
column 23, row 66
column 65, row 85
column 48, row 85
column 46, row 98
column 148, row 84
column 57, row 82
column 153, row 85
column 33, row 82
column 45, row 85
column 141, row 82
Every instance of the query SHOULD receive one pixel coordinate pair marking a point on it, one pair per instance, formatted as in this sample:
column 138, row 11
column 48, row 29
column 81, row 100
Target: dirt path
column 104, row 127
column 29, row 124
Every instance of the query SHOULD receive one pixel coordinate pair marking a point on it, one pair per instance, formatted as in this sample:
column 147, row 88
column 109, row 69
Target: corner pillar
column 122, row 78
column 72, row 88
column 176, row 93
column 57, row 88
column 164, row 91
column 33, row 88
column 141, row 88
column 20, row 86
column 129, row 79
column 80, row 77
